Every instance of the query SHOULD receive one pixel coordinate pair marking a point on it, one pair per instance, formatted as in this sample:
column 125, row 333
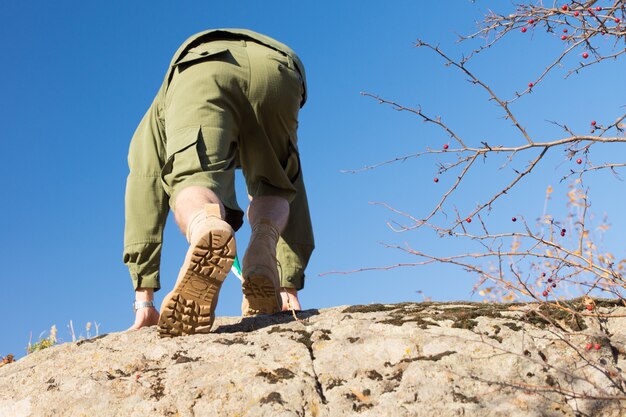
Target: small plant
column 42, row 344
column 52, row 339
column 87, row 330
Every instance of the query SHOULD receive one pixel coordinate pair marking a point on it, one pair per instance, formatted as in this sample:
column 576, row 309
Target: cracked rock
column 409, row 359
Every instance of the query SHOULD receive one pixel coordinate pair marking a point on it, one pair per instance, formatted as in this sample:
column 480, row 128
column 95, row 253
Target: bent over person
column 230, row 99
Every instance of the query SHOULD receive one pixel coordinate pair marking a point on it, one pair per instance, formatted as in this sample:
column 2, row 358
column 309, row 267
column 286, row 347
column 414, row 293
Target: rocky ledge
column 411, row 359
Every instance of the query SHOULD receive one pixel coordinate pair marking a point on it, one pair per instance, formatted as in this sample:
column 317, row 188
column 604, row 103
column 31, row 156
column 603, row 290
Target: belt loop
column 243, row 43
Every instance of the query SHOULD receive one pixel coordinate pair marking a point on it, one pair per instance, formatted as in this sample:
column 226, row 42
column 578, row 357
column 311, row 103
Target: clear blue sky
column 77, row 77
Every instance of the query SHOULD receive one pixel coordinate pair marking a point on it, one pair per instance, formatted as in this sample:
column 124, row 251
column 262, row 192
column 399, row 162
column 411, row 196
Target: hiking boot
column 261, row 282
column 190, row 307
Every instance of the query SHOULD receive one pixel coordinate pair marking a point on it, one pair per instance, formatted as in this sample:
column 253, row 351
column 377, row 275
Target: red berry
column 598, row 8
column 576, row 13
column 530, row 85
column 617, row 20
column 597, row 346
column 589, row 307
column 531, row 21
column 564, row 7
column 549, row 279
column 545, row 293
column 445, row 146
column 579, row 161
column 593, row 123
column 565, row 30
column 524, row 30
column 514, row 219
column 588, row 346
column 554, row 285
column 436, row 179
column 585, row 55
column 469, row 220
column 563, row 37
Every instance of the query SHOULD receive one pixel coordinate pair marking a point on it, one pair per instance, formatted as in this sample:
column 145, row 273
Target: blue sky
column 77, row 77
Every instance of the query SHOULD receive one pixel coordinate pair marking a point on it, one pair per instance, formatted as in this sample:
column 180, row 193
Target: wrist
column 144, row 294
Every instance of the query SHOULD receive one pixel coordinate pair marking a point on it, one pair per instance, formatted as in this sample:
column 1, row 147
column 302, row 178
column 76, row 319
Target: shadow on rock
column 249, row 324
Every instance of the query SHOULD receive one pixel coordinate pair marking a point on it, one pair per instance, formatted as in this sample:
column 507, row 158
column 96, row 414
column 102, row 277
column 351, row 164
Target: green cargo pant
column 226, row 104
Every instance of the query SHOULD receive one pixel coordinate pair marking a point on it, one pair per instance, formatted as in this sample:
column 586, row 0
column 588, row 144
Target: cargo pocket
column 198, row 54
column 287, row 65
column 183, row 160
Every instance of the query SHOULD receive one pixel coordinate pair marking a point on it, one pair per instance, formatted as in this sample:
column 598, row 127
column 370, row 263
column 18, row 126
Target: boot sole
column 261, row 294
column 190, row 307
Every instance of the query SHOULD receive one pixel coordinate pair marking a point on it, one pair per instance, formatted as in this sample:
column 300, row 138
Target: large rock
column 425, row 359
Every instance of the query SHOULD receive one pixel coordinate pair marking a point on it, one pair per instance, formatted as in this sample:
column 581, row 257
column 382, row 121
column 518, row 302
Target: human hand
column 144, row 317
column 289, row 297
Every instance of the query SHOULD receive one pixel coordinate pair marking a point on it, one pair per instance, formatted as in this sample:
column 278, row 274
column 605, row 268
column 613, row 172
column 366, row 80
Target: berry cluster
column 550, row 284
column 594, row 126
column 577, row 12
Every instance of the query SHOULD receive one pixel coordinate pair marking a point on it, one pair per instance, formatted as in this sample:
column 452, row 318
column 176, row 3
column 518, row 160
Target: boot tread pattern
column 190, row 307
column 261, row 295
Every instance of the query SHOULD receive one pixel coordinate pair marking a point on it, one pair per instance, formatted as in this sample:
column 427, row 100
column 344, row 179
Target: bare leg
column 189, row 203
column 276, row 210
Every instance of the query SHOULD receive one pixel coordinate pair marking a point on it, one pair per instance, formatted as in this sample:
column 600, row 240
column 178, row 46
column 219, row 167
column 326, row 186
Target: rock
column 411, row 359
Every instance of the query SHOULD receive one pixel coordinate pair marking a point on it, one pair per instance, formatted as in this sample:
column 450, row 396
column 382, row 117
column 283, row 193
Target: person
column 230, row 99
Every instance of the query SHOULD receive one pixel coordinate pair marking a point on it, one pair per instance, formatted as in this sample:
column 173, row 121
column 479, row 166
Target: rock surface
column 412, row 359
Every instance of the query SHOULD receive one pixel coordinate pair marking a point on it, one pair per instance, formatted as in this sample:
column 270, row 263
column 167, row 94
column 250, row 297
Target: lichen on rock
column 407, row 359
